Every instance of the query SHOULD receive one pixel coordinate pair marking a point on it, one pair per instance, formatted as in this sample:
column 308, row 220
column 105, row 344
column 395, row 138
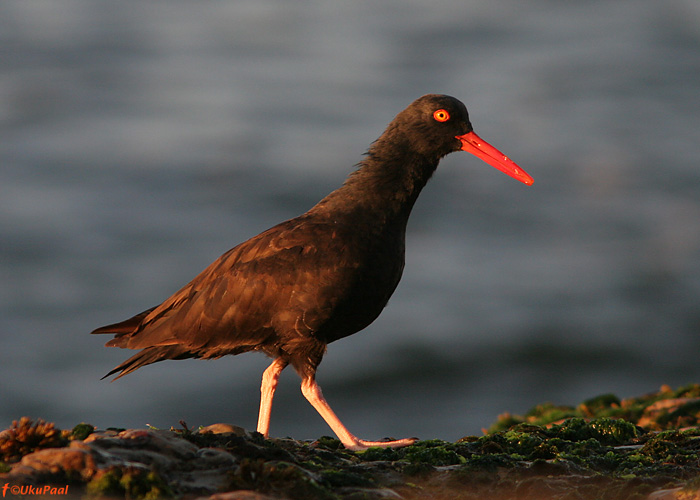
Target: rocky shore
column 605, row 448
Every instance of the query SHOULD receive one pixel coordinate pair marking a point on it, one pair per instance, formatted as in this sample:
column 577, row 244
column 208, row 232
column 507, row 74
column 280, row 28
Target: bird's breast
column 373, row 273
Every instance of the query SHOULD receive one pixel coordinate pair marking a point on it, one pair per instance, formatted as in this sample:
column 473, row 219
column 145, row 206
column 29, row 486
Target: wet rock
column 148, row 455
column 602, row 452
column 239, row 495
column 74, row 462
column 664, row 494
column 224, row 429
column 164, row 443
column 676, row 410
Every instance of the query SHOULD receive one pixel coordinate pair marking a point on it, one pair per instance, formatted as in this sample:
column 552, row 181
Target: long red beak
column 472, row 143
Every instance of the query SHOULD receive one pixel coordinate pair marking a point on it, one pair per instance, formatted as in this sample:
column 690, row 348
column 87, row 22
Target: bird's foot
column 361, row 445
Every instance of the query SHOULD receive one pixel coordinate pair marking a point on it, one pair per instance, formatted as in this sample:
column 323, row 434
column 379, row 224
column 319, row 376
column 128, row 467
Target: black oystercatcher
column 319, row 277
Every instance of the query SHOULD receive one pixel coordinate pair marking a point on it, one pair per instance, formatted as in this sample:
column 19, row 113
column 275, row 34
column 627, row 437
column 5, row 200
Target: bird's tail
column 149, row 355
column 123, row 330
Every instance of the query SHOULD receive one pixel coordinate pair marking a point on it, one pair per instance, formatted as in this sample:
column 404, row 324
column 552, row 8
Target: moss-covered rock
column 604, row 448
column 662, row 410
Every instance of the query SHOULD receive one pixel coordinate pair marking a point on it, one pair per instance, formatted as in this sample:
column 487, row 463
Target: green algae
column 81, row 431
column 434, row 453
column 279, row 477
column 662, row 410
column 605, row 430
column 132, row 483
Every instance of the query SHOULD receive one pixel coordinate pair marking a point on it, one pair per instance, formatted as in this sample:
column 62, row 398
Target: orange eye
column 441, row 115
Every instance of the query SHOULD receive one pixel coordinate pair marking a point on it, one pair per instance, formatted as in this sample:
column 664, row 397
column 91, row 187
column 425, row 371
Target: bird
column 316, row 278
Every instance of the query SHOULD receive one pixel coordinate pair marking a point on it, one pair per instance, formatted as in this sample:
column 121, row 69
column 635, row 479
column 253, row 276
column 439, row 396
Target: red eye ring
column 441, row 115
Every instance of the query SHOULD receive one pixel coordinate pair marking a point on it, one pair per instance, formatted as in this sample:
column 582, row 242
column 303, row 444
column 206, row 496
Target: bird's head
column 439, row 124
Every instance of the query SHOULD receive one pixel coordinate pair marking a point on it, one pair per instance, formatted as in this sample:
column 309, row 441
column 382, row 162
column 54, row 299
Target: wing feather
column 276, row 279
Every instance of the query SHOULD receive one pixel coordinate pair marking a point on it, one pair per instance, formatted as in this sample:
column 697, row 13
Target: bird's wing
column 279, row 278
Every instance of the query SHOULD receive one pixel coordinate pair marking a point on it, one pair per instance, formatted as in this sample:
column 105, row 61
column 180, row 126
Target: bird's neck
column 385, row 186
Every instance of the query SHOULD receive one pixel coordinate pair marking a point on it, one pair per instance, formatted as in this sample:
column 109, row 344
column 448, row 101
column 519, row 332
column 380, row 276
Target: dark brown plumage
column 314, row 279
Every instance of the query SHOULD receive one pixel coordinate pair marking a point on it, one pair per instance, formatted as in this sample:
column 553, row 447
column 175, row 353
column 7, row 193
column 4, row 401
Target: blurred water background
column 140, row 140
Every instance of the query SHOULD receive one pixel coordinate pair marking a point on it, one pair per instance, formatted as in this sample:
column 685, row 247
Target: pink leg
column 312, row 392
column 267, row 391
